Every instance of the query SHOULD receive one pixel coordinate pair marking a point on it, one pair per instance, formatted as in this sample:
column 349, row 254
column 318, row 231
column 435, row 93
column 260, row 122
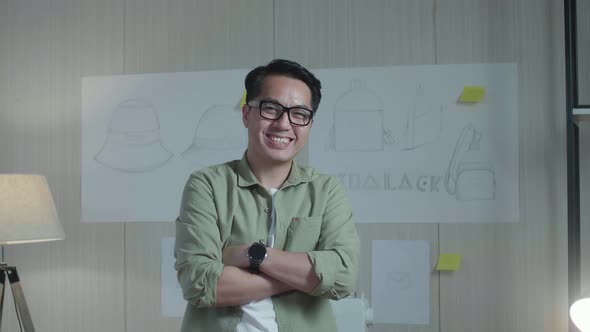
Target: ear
column 245, row 114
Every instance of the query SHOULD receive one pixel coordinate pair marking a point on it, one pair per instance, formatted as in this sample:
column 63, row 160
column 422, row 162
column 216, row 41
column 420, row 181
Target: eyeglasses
column 270, row 110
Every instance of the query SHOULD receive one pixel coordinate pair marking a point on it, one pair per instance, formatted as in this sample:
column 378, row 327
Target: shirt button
column 267, row 210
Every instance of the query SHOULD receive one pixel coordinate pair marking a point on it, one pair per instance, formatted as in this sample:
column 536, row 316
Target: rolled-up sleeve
column 198, row 246
column 336, row 259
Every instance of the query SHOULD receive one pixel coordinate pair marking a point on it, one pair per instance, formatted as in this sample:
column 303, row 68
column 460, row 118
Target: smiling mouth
column 282, row 140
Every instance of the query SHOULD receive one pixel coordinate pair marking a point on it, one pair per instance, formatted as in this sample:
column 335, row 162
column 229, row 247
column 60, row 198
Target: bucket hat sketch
column 468, row 178
column 133, row 142
column 219, row 136
column 358, row 121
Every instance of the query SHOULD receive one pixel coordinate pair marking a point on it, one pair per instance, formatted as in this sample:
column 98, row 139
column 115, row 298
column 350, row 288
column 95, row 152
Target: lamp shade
column 27, row 211
column 580, row 314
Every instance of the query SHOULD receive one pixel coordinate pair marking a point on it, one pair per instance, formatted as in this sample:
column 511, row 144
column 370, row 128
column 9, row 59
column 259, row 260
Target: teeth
column 280, row 140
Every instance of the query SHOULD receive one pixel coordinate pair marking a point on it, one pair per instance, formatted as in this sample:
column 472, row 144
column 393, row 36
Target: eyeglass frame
column 285, row 109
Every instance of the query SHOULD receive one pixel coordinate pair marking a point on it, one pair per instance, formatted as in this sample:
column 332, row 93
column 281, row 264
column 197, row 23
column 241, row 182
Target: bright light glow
column 27, row 211
column 580, row 314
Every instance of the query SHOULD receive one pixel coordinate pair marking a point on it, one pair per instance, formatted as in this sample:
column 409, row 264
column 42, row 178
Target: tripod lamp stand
column 27, row 215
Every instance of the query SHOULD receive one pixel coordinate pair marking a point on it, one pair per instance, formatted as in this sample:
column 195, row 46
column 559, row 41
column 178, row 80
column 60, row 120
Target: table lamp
column 27, row 215
column 580, row 314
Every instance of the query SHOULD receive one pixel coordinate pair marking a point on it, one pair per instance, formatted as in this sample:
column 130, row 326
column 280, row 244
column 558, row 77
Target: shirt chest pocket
column 303, row 234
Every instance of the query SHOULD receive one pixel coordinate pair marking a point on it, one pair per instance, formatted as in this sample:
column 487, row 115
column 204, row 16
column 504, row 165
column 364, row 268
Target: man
column 262, row 243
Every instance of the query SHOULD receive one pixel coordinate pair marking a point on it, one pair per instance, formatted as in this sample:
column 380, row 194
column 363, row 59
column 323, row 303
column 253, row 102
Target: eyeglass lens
column 273, row 111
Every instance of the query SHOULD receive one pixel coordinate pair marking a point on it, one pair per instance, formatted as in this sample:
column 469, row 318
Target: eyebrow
column 277, row 102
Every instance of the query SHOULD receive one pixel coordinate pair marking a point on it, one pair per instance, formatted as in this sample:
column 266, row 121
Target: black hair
column 253, row 81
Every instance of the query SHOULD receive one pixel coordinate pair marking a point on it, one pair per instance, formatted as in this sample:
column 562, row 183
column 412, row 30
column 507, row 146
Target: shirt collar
column 245, row 176
column 296, row 176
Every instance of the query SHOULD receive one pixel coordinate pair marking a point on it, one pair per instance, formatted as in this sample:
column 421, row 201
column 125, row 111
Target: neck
column 269, row 175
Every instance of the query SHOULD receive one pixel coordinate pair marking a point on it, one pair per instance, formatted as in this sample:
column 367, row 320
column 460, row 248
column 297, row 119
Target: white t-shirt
column 259, row 316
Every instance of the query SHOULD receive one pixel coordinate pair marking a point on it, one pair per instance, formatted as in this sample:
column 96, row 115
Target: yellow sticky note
column 448, row 262
column 472, row 94
column 243, row 100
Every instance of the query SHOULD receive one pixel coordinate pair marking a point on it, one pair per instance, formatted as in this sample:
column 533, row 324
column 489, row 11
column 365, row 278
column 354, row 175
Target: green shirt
column 224, row 205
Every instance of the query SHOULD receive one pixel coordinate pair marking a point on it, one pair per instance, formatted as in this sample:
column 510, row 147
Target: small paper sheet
column 400, row 292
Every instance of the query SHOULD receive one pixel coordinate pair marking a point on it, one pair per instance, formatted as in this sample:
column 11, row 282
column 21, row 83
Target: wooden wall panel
column 585, row 207
column 76, row 284
column 6, row 35
column 583, row 23
column 106, row 277
column 477, row 31
column 419, row 232
column 189, row 35
column 143, row 278
column 323, row 34
column 583, row 8
column 514, row 275
column 182, row 35
column 349, row 33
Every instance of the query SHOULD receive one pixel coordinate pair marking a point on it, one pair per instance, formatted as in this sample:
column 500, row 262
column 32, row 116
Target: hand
column 236, row 256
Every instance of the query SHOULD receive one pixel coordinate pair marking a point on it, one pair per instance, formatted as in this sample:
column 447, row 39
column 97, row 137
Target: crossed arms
column 281, row 271
column 214, row 276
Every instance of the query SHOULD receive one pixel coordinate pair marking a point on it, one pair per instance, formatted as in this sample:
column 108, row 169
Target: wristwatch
column 256, row 255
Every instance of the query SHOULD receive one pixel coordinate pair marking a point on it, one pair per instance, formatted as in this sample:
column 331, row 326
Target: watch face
column 257, row 251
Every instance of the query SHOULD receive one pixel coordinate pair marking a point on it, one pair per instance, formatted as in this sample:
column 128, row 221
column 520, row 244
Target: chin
column 279, row 155
column 280, row 159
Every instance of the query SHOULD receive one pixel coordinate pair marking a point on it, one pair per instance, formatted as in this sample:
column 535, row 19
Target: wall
column 583, row 8
column 583, row 39
column 106, row 277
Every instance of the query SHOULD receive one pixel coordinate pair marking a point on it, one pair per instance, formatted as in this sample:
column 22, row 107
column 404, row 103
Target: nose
column 283, row 121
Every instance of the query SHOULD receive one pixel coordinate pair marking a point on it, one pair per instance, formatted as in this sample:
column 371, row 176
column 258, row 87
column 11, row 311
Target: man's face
column 273, row 142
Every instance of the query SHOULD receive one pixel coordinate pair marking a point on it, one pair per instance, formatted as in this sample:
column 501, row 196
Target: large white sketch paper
column 133, row 141
column 469, row 179
column 423, row 122
column 143, row 135
column 358, row 121
column 219, row 136
column 395, row 136
column 407, row 151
